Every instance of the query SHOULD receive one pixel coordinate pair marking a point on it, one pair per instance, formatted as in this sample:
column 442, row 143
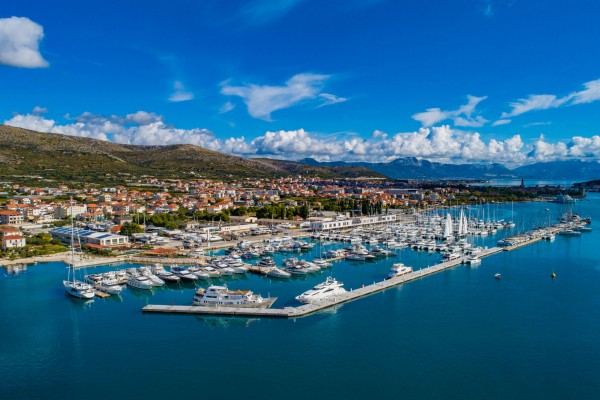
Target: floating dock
column 300, row 311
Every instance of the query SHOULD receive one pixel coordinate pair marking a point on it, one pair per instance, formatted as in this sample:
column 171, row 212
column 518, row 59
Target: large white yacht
column 322, row 291
column 139, row 282
column 221, row 296
column 397, row 270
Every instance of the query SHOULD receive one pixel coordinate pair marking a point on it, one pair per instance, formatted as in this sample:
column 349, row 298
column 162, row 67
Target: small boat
column 497, row 276
column 278, row 273
column 552, row 275
column 184, row 274
column 570, row 232
column 212, row 272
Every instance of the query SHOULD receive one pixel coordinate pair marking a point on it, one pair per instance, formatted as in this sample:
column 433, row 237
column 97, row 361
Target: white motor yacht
column 183, row 273
column 109, row 286
column 278, row 273
column 322, row 291
column 212, row 272
column 165, row 275
column 221, row 296
column 397, row 270
column 156, row 281
column 140, row 282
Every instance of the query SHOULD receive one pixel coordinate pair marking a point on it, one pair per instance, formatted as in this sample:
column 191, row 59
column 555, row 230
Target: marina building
column 87, row 236
column 348, row 223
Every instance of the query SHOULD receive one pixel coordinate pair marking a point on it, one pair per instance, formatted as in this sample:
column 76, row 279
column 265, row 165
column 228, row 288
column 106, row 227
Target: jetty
column 307, row 309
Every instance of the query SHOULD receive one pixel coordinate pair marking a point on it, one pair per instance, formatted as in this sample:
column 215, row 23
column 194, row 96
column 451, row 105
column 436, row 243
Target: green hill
column 67, row 158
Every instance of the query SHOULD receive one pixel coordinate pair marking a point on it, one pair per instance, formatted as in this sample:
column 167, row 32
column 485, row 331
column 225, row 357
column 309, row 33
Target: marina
column 300, row 311
column 440, row 305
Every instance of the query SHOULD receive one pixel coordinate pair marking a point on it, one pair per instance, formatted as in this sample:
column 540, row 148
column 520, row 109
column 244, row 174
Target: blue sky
column 470, row 80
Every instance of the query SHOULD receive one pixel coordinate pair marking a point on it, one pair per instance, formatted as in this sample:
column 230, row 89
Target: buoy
column 553, row 275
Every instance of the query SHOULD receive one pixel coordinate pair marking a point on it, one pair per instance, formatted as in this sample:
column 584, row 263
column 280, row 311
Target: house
column 8, row 217
column 11, row 238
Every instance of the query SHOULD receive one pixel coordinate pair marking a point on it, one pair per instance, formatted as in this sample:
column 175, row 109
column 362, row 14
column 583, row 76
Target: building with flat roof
column 87, row 236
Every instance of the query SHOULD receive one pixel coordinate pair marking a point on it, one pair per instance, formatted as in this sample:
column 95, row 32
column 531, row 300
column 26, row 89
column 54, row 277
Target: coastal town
column 152, row 214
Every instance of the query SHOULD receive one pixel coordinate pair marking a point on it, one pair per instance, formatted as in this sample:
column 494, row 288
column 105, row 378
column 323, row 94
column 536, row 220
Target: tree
column 129, row 229
column 240, row 211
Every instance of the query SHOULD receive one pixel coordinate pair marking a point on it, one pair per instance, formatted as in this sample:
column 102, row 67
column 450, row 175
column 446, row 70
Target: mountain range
column 29, row 153
column 414, row 168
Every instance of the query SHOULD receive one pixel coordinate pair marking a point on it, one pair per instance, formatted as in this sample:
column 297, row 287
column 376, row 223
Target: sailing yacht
column 73, row 287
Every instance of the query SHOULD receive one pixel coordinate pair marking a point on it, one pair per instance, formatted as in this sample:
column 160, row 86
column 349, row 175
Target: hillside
column 62, row 157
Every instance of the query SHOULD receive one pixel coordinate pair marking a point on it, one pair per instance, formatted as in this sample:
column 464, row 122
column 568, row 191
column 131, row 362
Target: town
column 174, row 217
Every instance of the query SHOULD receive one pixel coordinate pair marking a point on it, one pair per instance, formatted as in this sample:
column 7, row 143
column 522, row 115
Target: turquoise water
column 459, row 334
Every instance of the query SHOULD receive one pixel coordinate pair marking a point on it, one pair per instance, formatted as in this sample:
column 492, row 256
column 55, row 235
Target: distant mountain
column 572, row 169
column 414, row 168
column 62, row 157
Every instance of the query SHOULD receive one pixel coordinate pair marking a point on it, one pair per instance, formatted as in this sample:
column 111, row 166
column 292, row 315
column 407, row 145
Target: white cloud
column 589, row 94
column 143, row 118
column 225, row 108
column 463, row 116
column 39, row 110
column 262, row 100
column 439, row 143
column 537, row 124
column 179, row 93
column 537, row 102
column 534, row 102
column 19, row 43
column 331, row 99
column 501, row 122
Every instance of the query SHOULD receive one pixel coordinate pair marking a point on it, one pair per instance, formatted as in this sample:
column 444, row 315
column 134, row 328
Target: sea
column 457, row 334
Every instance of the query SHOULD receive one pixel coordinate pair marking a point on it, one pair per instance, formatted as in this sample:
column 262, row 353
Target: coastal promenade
column 300, row 311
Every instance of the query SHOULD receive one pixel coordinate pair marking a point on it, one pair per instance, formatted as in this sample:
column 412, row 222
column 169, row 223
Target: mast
column 72, row 245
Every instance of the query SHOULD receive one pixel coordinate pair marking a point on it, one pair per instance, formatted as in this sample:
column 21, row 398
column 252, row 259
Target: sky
column 509, row 81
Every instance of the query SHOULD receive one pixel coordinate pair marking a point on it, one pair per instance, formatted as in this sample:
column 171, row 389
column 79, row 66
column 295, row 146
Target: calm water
column 459, row 334
column 529, row 182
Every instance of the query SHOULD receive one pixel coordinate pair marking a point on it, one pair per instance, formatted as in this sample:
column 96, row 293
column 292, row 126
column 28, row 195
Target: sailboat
column 73, row 287
column 448, row 234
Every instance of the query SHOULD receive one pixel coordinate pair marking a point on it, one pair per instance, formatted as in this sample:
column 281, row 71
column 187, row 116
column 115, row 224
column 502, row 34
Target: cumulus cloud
column 537, row 102
column 179, row 93
column 463, row 116
column 262, row 100
column 439, row 143
column 19, row 43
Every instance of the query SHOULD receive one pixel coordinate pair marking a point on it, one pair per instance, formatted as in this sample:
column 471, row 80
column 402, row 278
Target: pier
column 303, row 310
